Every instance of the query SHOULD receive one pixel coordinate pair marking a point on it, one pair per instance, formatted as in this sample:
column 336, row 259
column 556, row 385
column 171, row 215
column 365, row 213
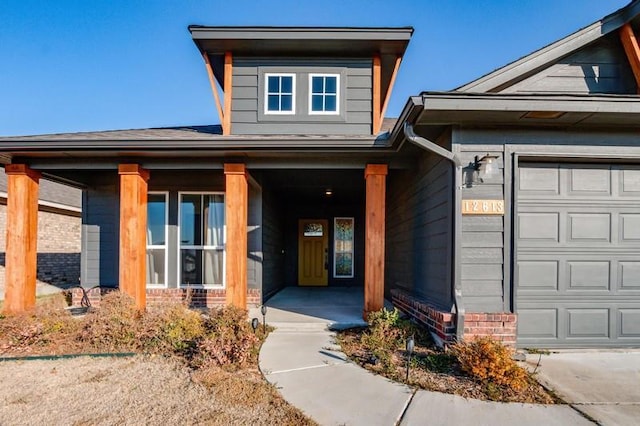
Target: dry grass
column 381, row 349
column 199, row 368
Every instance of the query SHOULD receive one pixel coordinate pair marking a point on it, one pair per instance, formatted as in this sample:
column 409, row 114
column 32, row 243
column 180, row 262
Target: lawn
column 192, row 368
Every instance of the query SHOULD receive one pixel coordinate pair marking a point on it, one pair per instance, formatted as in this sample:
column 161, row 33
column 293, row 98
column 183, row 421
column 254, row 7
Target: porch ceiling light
column 328, row 192
column 486, row 167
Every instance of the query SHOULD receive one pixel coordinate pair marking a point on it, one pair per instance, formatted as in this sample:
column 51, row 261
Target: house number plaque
column 495, row 207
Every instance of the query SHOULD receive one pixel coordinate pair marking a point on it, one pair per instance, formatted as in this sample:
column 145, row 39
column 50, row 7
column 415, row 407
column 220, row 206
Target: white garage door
column 577, row 248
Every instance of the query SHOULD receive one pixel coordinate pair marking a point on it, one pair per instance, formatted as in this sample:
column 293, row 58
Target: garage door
column 577, row 248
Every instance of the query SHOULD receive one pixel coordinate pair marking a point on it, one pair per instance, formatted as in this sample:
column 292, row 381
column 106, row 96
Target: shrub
column 113, row 326
column 489, row 361
column 229, row 339
column 173, row 328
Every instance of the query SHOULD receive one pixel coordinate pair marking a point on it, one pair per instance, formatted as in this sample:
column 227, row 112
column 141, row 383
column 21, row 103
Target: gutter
column 453, row 158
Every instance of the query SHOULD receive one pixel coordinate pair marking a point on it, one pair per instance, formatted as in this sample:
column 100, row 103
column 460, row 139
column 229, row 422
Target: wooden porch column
column 375, row 176
column 22, row 238
column 236, row 208
column 133, row 232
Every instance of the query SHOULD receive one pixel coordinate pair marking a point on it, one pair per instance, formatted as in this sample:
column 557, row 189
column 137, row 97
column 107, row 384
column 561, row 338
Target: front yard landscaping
column 481, row 368
column 191, row 367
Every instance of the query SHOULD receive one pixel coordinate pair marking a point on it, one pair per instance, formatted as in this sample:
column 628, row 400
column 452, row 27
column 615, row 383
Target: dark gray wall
column 100, row 229
column 254, row 237
column 273, row 244
column 598, row 68
column 248, row 92
column 418, row 235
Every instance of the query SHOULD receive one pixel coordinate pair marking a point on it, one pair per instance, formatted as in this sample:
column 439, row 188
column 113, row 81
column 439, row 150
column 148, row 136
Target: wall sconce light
column 486, row 167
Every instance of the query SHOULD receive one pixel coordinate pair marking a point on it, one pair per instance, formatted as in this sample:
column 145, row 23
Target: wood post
column 22, row 237
column 228, row 86
column 632, row 50
column 377, row 95
column 133, row 232
column 236, row 211
column 375, row 176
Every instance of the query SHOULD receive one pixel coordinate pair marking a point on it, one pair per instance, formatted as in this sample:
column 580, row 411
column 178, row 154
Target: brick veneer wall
column 58, row 247
column 199, row 297
column 501, row 326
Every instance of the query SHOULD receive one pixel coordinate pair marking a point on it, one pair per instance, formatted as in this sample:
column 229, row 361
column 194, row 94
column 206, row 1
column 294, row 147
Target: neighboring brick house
column 59, row 225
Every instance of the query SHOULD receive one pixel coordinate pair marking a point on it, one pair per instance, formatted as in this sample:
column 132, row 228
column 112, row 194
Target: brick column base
column 442, row 324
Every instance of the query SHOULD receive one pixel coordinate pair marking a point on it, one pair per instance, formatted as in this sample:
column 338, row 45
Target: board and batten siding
column 482, row 236
column 418, row 230
column 356, row 107
column 598, row 68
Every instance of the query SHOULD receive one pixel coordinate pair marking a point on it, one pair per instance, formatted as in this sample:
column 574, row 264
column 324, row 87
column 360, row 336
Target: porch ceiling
column 347, row 186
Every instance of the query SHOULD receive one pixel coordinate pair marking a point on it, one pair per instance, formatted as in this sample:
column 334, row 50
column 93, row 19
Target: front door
column 313, row 252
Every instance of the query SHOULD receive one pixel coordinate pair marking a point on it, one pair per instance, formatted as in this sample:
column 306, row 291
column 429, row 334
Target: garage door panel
column 589, row 180
column 538, row 227
column 630, row 227
column 629, row 320
column 538, row 275
column 589, row 276
column 631, row 182
column 577, row 266
column 538, row 323
column 543, row 180
column 589, row 227
column 587, row 323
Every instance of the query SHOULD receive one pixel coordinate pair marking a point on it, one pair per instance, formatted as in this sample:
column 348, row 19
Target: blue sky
column 83, row 65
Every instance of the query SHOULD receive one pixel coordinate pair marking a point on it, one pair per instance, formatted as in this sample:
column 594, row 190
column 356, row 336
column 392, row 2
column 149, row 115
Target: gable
column 599, row 68
column 590, row 61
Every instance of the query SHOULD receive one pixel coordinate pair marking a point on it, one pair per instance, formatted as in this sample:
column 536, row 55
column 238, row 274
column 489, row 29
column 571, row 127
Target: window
column 157, row 239
column 324, row 93
column 343, row 247
column 202, row 239
column 280, row 94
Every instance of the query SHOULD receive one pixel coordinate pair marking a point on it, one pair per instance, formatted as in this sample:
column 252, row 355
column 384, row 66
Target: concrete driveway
column 604, row 385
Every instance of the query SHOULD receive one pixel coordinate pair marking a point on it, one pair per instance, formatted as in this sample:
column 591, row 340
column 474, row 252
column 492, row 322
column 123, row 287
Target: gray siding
column 254, row 237
column 482, row 239
column 246, row 107
column 418, row 235
column 273, row 244
column 100, row 229
column 598, row 68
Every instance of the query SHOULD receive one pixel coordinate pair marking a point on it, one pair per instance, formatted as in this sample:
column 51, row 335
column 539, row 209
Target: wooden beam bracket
column 223, row 107
column 631, row 48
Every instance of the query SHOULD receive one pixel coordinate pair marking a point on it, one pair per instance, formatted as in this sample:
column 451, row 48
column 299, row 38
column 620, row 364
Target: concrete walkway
column 604, row 384
column 303, row 361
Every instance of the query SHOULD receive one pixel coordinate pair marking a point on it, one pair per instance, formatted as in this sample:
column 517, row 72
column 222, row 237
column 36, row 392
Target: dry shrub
column 491, row 362
column 47, row 325
column 229, row 339
column 172, row 328
column 114, row 325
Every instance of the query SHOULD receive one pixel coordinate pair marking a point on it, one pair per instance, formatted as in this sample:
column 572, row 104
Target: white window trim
column 223, row 248
column 337, row 111
column 266, row 93
column 166, row 242
column 353, row 250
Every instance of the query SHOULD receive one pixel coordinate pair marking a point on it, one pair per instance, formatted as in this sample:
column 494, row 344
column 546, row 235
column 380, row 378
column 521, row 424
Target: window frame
column 267, row 111
column 166, row 241
column 203, row 247
column 310, row 95
column 353, row 248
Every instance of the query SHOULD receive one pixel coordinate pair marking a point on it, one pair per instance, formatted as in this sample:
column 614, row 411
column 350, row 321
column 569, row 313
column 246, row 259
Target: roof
column 307, row 41
column 524, row 67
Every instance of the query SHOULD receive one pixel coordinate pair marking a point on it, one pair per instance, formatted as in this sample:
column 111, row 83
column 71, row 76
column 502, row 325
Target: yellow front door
column 313, row 252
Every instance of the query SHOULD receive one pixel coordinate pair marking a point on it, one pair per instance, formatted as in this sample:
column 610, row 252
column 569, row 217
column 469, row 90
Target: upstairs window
column 280, row 94
column 324, row 94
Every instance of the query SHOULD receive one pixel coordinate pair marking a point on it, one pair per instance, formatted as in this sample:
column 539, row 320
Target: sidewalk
column 303, row 361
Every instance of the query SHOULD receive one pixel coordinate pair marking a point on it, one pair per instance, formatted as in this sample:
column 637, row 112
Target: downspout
column 453, row 158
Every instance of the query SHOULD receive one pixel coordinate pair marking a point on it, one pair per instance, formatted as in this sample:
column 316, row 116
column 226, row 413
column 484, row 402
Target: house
column 58, row 245
column 509, row 206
